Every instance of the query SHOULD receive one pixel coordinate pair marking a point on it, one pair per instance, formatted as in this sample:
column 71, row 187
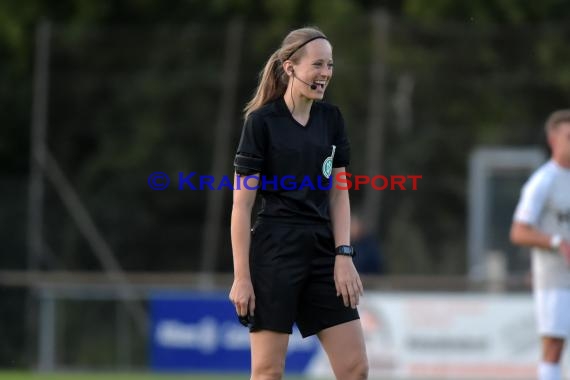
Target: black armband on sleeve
column 246, row 164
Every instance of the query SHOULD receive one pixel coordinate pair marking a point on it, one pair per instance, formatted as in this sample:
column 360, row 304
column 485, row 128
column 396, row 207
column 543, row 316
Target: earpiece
column 312, row 86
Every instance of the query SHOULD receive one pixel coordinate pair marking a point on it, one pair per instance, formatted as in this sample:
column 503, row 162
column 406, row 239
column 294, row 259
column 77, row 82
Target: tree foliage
column 135, row 86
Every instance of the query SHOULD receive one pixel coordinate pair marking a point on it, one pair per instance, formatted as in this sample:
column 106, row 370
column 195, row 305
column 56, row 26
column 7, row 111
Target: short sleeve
column 532, row 200
column 250, row 155
column 342, row 154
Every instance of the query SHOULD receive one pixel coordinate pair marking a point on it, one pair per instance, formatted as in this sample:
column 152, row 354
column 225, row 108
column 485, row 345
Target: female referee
column 295, row 264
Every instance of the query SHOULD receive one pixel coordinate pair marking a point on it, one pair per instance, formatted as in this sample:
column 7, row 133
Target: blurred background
column 95, row 96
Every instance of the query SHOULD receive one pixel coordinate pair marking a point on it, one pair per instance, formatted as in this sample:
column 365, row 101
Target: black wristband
column 345, row 250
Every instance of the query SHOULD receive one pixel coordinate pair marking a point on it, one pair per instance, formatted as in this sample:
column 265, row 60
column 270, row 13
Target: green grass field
column 121, row 376
column 7, row 375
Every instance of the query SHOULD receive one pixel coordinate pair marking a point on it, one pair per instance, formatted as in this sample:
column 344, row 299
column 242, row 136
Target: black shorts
column 292, row 271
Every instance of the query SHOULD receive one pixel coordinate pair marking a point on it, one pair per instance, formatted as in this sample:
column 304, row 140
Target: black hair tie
column 304, row 43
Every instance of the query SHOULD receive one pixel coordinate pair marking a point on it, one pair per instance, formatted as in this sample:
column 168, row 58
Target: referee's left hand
column 347, row 281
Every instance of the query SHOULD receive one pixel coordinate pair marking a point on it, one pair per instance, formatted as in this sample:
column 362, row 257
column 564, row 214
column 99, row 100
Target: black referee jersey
column 295, row 161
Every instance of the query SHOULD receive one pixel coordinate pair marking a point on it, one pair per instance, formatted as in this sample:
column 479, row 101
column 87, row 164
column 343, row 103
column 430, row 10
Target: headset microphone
column 313, row 86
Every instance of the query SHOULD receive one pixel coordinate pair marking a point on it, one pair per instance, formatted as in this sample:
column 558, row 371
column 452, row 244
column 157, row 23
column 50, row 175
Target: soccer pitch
column 114, row 376
column 123, row 376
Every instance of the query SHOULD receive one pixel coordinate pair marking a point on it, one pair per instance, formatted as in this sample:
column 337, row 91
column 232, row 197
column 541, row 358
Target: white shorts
column 552, row 307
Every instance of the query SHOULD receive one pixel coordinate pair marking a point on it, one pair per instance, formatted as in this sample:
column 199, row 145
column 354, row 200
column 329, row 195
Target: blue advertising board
column 200, row 332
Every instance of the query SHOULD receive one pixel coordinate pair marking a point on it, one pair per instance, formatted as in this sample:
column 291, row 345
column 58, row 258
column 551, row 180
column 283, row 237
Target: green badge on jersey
column 328, row 164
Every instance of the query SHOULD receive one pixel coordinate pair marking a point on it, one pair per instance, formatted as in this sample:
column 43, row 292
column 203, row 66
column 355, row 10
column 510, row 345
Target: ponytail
column 272, row 84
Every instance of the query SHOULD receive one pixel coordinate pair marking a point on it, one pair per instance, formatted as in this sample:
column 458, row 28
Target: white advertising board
column 447, row 336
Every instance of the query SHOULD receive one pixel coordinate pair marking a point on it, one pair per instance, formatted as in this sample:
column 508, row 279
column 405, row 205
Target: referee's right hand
column 242, row 296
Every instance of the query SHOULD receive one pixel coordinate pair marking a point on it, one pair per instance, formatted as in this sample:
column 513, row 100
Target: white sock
column 549, row 371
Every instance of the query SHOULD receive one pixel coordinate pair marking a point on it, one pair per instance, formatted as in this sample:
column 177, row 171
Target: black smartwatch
column 345, row 250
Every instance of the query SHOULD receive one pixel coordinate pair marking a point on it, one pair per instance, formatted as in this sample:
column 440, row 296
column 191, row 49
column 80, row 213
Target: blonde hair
column 557, row 118
column 273, row 79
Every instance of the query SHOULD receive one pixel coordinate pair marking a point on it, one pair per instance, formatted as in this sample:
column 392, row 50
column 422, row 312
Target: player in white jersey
column 542, row 221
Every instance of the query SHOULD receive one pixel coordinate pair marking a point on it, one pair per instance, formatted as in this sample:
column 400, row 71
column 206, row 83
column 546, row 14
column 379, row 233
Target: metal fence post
column 46, row 329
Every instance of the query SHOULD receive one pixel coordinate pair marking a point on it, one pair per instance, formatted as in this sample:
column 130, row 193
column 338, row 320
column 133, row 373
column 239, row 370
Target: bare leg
column 345, row 348
column 552, row 349
column 268, row 352
column 549, row 368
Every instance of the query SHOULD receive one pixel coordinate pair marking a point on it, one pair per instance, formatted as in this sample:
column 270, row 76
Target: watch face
column 345, row 250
